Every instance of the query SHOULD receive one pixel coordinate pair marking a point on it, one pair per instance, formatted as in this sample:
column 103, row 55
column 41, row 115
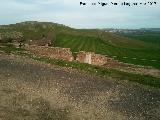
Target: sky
column 71, row 13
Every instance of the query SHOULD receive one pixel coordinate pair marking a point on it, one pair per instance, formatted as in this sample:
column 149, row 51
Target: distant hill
column 94, row 40
column 33, row 30
column 151, row 29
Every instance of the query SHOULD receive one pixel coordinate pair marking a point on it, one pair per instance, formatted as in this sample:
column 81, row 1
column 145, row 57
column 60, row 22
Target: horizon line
column 80, row 27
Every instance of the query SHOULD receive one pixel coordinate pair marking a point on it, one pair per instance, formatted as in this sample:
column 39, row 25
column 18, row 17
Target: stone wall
column 52, row 52
column 92, row 58
column 66, row 54
column 83, row 57
column 98, row 59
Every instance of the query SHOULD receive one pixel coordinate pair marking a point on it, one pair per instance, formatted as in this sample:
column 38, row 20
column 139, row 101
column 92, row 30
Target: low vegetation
column 97, row 70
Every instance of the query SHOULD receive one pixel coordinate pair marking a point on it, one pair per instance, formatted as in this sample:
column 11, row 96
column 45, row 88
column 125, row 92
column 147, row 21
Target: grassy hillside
column 151, row 37
column 97, row 45
column 122, row 47
column 33, row 30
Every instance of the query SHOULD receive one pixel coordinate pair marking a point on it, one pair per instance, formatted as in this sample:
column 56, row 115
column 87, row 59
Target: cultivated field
column 151, row 37
column 140, row 54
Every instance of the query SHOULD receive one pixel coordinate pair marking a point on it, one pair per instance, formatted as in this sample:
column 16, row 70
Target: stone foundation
column 52, row 52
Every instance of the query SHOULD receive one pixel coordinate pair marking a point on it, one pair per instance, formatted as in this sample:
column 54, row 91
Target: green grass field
column 151, row 37
column 97, row 45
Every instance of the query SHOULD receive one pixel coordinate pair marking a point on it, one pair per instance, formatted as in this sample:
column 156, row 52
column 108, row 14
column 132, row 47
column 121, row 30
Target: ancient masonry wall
column 92, row 58
column 66, row 54
column 52, row 52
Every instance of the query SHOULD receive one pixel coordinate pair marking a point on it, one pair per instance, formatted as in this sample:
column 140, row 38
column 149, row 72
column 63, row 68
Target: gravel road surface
column 30, row 90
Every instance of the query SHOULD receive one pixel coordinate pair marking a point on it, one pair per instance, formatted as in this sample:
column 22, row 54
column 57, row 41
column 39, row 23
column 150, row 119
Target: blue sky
column 70, row 13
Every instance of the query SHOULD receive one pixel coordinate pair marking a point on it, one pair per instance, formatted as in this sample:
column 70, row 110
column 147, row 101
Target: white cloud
column 69, row 12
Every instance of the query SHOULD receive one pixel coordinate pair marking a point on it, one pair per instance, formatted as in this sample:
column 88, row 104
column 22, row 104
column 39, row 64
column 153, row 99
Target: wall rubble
column 52, row 52
column 92, row 58
column 66, row 54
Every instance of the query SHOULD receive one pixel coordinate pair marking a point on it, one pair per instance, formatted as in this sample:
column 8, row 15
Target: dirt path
column 136, row 69
column 33, row 91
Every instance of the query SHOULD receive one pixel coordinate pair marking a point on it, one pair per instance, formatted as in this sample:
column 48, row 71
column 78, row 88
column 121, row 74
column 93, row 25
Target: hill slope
column 124, row 48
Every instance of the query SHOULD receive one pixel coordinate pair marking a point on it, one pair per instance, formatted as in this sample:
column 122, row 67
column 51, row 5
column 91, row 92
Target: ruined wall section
column 66, row 54
column 82, row 57
column 92, row 58
column 98, row 59
column 52, row 52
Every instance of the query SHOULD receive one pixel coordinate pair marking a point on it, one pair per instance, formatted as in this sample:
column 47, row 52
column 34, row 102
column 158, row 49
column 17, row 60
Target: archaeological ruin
column 52, row 52
column 91, row 58
column 66, row 54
